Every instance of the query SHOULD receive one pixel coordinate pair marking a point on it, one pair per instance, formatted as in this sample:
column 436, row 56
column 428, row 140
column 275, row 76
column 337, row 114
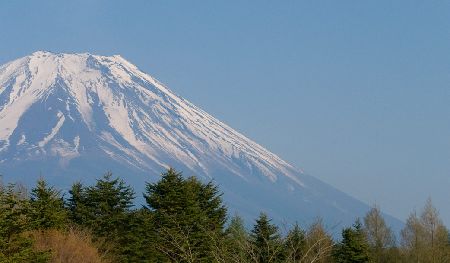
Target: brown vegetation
column 73, row 245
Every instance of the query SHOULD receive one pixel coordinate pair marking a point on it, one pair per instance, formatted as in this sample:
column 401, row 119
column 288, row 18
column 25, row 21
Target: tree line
column 185, row 220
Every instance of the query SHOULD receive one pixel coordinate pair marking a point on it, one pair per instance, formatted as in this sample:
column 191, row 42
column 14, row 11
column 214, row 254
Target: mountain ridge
column 71, row 109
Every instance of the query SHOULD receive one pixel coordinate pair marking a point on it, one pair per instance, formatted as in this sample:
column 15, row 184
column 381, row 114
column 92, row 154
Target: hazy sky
column 356, row 93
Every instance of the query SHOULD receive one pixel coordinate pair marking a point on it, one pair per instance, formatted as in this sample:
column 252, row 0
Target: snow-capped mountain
column 72, row 117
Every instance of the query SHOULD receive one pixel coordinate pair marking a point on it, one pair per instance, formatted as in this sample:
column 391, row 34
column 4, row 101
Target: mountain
column 72, row 117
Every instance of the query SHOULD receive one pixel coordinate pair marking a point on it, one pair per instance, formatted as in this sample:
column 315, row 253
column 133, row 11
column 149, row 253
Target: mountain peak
column 111, row 96
column 43, row 55
column 69, row 115
column 41, row 52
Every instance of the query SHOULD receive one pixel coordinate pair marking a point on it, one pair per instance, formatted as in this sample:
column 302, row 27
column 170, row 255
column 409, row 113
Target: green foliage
column 77, row 204
column 295, row 244
column 137, row 242
column 166, row 197
column 105, row 209
column 14, row 208
column 266, row 240
column 15, row 246
column 47, row 207
column 108, row 203
column 183, row 221
column 353, row 247
column 187, row 215
column 237, row 240
column 19, row 248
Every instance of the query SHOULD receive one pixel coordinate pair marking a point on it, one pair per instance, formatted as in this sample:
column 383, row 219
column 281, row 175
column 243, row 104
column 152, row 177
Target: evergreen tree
column 295, row 244
column 138, row 243
column 167, row 200
column 47, row 207
column 237, row 240
column 266, row 240
column 77, row 204
column 15, row 246
column 108, row 202
column 187, row 214
column 105, row 208
column 353, row 247
column 210, row 202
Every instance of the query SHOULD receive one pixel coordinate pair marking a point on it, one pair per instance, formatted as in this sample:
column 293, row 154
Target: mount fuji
column 70, row 117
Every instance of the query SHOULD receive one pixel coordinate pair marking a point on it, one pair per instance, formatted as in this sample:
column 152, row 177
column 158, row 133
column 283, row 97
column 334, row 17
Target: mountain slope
column 73, row 116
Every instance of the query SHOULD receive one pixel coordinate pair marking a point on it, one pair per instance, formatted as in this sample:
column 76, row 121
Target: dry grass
column 71, row 246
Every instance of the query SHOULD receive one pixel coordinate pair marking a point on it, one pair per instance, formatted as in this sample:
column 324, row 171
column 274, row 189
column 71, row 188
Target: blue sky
column 355, row 93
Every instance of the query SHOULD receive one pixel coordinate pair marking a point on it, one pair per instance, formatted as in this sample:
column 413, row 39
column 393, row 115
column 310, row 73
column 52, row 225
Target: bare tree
column 176, row 243
column 435, row 234
column 412, row 238
column 319, row 244
column 379, row 235
column 425, row 238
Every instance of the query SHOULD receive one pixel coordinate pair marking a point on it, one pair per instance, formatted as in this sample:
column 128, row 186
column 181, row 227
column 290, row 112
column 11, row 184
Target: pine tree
column 266, row 240
column 77, row 204
column 237, row 240
column 166, row 196
column 15, row 245
column 210, row 202
column 353, row 247
column 295, row 244
column 105, row 209
column 108, row 203
column 47, row 207
column 187, row 214
column 138, row 243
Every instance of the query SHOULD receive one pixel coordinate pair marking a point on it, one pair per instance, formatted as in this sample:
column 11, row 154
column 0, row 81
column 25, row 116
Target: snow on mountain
column 73, row 116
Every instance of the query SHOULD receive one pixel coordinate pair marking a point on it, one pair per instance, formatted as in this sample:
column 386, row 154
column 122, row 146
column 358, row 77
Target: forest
column 185, row 220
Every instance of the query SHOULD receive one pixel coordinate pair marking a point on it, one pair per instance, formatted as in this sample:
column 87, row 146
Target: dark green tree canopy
column 187, row 214
column 295, row 244
column 105, row 209
column 187, row 200
column 353, row 247
column 47, row 207
column 15, row 219
column 184, row 219
column 266, row 240
column 77, row 204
